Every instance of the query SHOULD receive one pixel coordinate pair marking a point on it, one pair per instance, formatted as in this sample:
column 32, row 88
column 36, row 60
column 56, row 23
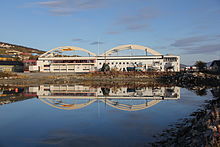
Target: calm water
column 76, row 115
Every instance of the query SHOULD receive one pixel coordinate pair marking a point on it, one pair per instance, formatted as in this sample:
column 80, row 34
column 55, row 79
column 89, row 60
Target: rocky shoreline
column 185, row 80
column 190, row 80
column 202, row 129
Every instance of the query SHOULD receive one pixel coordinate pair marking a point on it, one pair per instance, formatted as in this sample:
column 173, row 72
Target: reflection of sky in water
column 33, row 123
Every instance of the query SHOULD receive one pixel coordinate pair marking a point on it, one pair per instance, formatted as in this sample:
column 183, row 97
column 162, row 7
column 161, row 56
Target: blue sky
column 188, row 28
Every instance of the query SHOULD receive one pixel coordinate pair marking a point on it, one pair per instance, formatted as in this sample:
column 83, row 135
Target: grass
column 7, row 74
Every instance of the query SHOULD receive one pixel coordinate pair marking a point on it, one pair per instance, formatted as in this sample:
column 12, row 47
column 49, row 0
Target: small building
column 25, row 54
column 215, row 66
column 191, row 68
column 28, row 63
column 6, row 58
column 11, row 66
column 14, row 52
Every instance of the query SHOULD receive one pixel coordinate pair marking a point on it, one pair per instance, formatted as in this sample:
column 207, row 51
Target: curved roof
column 67, row 106
column 126, row 107
column 111, row 103
column 130, row 46
column 66, row 48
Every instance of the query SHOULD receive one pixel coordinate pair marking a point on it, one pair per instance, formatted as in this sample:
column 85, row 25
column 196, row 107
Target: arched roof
column 67, row 106
column 126, row 107
column 130, row 46
column 111, row 103
column 66, row 48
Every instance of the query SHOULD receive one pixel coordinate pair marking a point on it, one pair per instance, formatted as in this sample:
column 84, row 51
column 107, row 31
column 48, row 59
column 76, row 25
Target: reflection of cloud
column 67, row 138
column 53, row 140
column 68, row 7
column 61, row 133
column 86, row 140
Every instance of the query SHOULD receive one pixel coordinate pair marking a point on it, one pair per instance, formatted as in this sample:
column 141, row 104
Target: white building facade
column 50, row 62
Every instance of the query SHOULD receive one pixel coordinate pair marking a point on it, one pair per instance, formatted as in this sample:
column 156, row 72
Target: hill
column 5, row 47
column 183, row 66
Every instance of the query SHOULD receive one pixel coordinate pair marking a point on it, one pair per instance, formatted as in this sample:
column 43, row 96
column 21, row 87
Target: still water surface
column 77, row 115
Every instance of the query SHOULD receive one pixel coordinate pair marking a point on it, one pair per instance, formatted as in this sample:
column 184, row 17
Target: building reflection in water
column 12, row 94
column 69, row 97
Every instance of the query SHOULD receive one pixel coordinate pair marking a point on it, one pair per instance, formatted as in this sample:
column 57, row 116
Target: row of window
column 170, row 59
column 65, row 69
column 73, row 61
column 121, row 63
column 73, row 94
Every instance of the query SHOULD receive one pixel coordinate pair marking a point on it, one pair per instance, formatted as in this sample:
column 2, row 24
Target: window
column 171, row 59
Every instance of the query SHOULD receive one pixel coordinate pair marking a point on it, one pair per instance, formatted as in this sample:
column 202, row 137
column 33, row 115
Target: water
column 77, row 115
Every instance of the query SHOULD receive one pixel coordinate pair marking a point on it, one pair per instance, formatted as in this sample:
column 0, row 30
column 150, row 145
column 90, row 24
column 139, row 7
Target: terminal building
column 152, row 60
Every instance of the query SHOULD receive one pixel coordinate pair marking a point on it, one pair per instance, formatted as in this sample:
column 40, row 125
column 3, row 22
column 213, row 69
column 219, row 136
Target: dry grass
column 7, row 74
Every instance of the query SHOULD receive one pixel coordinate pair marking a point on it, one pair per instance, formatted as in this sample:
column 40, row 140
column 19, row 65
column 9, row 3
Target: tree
column 105, row 67
column 200, row 65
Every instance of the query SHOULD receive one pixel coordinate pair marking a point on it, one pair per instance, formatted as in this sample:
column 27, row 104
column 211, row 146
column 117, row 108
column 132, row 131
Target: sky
column 189, row 28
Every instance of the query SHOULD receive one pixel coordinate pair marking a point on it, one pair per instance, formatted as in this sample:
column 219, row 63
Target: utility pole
column 98, row 46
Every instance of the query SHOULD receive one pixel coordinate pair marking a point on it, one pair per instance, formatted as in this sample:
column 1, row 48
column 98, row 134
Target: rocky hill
column 5, row 47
